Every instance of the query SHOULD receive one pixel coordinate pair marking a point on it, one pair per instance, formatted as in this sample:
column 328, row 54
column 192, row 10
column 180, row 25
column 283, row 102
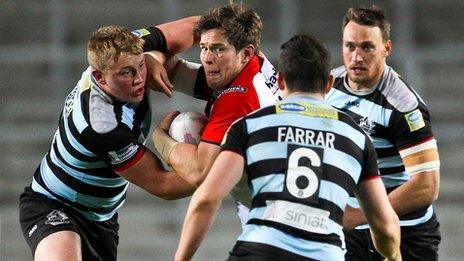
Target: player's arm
column 224, row 175
column 191, row 162
column 422, row 164
column 177, row 36
column 385, row 229
column 149, row 174
column 170, row 72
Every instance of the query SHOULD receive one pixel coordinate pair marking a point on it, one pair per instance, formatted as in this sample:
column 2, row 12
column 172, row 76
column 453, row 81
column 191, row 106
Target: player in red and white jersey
column 235, row 79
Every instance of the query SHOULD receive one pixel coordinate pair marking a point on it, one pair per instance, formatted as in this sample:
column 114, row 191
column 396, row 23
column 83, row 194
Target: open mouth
column 357, row 69
column 140, row 91
column 213, row 73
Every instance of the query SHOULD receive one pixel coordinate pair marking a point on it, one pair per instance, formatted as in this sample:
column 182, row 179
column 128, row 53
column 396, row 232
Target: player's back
column 303, row 160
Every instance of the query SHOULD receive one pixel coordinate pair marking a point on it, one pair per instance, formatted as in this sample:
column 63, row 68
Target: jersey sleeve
column 154, row 39
column 370, row 168
column 411, row 128
column 228, row 108
column 118, row 148
column 236, row 138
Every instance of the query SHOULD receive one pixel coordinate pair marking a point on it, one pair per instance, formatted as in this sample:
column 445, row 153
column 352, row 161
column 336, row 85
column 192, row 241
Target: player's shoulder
column 271, row 109
column 397, row 92
column 102, row 113
column 338, row 72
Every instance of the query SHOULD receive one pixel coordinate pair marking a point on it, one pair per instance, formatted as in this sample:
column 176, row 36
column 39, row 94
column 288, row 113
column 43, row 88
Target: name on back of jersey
column 305, row 136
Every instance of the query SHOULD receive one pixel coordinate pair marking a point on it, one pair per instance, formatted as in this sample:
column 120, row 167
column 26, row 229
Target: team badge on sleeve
column 141, row 32
column 117, row 157
column 415, row 120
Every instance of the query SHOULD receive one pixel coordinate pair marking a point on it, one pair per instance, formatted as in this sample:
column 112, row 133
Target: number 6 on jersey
column 304, row 172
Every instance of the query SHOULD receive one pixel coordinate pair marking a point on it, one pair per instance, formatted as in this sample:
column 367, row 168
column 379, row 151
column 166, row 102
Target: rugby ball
column 187, row 127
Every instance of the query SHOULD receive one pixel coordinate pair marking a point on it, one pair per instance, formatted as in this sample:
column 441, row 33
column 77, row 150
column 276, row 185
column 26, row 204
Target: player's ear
column 329, row 84
column 281, row 81
column 98, row 76
column 388, row 48
column 247, row 53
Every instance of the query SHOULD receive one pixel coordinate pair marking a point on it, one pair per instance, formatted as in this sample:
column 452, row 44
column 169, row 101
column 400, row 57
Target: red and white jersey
column 254, row 87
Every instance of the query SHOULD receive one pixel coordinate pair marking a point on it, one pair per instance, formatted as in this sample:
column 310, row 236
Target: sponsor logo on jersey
column 308, row 109
column 415, row 120
column 33, row 229
column 293, row 107
column 118, row 157
column 271, row 81
column 352, row 104
column 141, row 32
column 56, row 217
column 297, row 215
column 69, row 103
column 235, row 89
column 219, row 92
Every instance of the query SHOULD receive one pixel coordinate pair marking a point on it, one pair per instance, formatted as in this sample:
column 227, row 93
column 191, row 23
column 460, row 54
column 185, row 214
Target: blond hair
column 107, row 43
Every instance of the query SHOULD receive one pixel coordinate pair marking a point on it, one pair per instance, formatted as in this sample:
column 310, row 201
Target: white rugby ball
column 186, row 127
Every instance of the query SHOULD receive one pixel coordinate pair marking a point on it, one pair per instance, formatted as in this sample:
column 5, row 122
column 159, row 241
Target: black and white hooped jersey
column 96, row 136
column 395, row 117
column 303, row 159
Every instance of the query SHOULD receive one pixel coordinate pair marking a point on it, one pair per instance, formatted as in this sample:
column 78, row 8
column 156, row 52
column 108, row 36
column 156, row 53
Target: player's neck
column 317, row 96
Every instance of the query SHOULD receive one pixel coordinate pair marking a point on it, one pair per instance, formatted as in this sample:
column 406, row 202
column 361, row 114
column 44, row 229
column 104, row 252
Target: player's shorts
column 40, row 216
column 418, row 242
column 249, row 251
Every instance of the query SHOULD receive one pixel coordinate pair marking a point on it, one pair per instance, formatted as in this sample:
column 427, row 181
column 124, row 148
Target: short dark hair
column 241, row 27
column 305, row 64
column 373, row 16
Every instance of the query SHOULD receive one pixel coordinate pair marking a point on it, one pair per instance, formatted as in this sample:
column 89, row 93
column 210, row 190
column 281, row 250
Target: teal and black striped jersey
column 96, row 136
column 303, row 159
column 396, row 118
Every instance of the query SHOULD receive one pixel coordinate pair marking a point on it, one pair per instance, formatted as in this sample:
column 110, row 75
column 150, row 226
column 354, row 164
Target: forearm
column 420, row 191
column 172, row 187
column 387, row 243
column 167, row 185
column 384, row 222
column 387, row 247
column 179, row 34
column 184, row 159
column 149, row 174
column 198, row 221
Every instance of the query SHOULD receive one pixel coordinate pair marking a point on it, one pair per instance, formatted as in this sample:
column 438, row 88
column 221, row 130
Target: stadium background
column 42, row 54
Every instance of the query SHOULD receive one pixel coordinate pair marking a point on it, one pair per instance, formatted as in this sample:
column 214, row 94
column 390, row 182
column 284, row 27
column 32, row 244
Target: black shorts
column 40, row 216
column 249, row 251
column 417, row 243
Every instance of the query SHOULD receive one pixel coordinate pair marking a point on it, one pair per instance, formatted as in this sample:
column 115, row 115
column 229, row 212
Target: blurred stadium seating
column 42, row 54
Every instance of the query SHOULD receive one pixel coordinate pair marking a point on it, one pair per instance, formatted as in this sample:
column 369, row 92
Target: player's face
column 221, row 61
column 125, row 80
column 364, row 54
